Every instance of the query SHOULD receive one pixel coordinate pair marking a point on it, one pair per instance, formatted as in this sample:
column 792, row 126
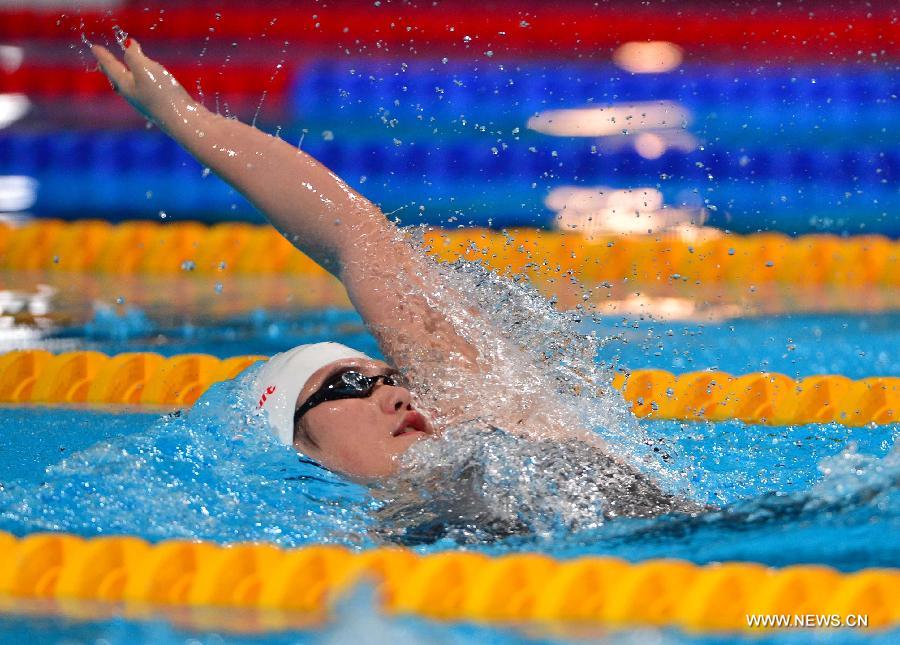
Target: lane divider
column 157, row 248
column 37, row 376
column 453, row 585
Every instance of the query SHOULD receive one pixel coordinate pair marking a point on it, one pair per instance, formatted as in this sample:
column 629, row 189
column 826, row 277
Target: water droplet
column 120, row 34
column 163, row 215
column 188, row 265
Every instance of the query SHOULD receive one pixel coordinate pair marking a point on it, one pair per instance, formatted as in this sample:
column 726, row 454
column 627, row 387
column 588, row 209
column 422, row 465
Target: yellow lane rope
column 37, row 376
column 455, row 585
column 713, row 257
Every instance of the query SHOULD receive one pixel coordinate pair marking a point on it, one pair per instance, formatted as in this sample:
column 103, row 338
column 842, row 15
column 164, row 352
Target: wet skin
column 361, row 438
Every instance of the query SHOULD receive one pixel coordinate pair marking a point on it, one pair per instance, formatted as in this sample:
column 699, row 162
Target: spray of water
column 583, row 458
column 212, row 472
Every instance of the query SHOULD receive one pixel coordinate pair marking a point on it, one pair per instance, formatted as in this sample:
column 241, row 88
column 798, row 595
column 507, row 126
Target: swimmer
column 350, row 413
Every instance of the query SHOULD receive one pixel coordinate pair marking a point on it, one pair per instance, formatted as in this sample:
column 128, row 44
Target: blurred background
column 725, row 165
column 598, row 116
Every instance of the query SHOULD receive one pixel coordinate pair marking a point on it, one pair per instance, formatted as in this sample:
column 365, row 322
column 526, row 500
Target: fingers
column 134, row 55
column 111, row 65
column 140, row 65
column 117, row 73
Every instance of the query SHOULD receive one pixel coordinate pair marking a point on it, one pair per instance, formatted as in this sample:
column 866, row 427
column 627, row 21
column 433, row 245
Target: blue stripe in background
column 800, row 150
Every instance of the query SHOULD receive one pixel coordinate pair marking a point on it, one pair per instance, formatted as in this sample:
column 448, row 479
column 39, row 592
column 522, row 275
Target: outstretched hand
column 144, row 83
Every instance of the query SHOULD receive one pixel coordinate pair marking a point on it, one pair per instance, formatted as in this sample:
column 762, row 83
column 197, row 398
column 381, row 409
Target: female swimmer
column 350, row 413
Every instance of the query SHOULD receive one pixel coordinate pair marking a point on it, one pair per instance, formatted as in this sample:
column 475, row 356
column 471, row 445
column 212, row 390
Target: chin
column 374, row 475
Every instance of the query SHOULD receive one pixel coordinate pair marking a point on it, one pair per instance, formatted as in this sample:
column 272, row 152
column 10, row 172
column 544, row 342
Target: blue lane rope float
column 797, row 191
column 123, row 152
column 842, row 97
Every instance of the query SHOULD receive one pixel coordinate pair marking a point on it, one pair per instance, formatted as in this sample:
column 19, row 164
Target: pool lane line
column 707, row 256
column 529, row 589
column 150, row 379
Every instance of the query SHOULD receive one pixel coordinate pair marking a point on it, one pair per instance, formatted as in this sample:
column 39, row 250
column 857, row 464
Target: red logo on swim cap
column 265, row 396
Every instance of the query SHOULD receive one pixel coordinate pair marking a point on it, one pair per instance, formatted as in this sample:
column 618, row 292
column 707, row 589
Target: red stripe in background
column 56, row 81
column 567, row 32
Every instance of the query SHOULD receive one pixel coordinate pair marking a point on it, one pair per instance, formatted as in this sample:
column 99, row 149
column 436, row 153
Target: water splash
column 115, row 324
column 120, row 35
column 840, row 520
column 478, row 485
column 213, row 472
column 539, row 368
column 480, row 481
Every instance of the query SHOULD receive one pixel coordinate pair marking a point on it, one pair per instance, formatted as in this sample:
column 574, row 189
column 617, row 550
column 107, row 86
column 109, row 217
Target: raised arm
column 391, row 284
column 310, row 205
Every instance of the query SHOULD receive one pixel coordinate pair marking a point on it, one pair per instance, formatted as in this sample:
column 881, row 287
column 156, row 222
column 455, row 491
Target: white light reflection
column 672, row 308
column 651, row 144
column 17, row 193
column 11, row 57
column 25, row 317
column 36, row 303
column 12, row 108
column 610, row 120
column 601, row 210
column 652, row 57
column 588, row 199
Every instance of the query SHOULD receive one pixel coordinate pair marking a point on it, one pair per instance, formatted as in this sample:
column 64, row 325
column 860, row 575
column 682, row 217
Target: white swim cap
column 282, row 377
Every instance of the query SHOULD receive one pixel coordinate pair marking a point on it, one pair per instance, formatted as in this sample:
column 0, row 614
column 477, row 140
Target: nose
column 393, row 398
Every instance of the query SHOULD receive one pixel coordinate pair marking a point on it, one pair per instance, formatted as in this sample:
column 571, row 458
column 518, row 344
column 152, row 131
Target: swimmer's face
column 361, row 438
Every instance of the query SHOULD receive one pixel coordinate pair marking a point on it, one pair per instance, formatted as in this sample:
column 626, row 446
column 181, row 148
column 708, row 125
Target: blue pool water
column 798, row 345
column 128, row 473
column 357, row 622
column 823, row 494
column 778, row 507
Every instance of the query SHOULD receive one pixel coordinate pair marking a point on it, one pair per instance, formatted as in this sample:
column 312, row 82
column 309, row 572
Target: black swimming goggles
column 346, row 385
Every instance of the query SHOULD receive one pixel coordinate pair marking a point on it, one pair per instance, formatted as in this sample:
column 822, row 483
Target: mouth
column 412, row 422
